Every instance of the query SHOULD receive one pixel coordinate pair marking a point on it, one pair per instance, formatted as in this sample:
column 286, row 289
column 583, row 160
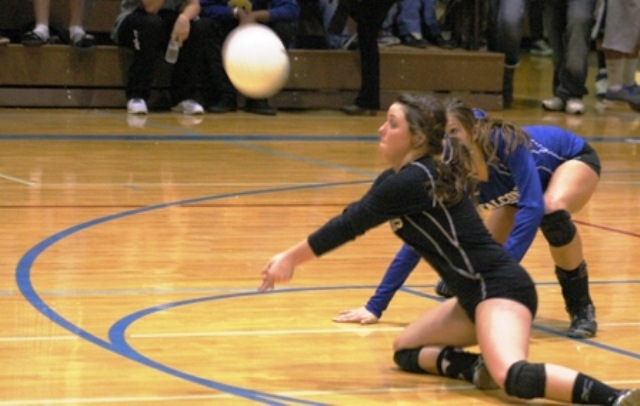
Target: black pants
column 148, row 35
column 369, row 14
column 217, row 85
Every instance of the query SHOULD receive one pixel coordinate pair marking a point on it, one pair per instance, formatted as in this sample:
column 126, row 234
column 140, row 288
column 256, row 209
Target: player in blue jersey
column 424, row 197
column 530, row 178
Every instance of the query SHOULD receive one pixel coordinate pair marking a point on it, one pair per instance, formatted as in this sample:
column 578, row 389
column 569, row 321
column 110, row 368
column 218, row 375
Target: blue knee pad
column 558, row 228
column 526, row 380
column 407, row 360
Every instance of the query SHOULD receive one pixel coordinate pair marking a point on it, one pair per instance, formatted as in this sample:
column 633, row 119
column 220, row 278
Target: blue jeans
column 505, row 16
column 569, row 24
column 413, row 13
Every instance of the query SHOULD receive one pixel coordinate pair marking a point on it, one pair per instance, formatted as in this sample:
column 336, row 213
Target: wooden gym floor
column 133, row 248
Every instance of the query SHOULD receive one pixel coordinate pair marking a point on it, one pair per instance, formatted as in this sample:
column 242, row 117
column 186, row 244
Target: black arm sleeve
column 391, row 196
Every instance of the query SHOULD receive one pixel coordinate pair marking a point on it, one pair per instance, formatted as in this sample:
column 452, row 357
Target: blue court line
column 190, row 136
column 117, row 336
column 23, row 280
column 25, row 285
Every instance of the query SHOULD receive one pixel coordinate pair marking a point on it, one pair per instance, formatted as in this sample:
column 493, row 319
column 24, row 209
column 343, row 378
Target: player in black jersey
column 424, row 198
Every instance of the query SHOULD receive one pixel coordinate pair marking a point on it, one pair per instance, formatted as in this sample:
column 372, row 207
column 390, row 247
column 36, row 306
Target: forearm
column 191, row 10
column 300, row 253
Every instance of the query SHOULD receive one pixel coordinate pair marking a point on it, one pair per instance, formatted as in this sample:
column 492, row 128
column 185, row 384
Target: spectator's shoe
column 388, row 40
column 627, row 94
column 189, row 107
column 137, row 106
column 602, row 83
column 574, row 106
column 411, row 41
column 223, row 106
column 553, row 104
column 482, row 379
column 442, row 289
column 628, row 398
column 541, row 48
column 444, row 43
column 583, row 322
column 571, row 106
column 4, row 40
column 260, row 106
column 83, row 41
column 355, row 110
column 33, row 39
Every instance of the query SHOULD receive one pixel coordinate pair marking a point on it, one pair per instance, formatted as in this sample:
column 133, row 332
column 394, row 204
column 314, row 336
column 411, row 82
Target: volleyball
column 255, row 60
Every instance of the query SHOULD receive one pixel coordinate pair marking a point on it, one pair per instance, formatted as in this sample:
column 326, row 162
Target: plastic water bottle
column 172, row 52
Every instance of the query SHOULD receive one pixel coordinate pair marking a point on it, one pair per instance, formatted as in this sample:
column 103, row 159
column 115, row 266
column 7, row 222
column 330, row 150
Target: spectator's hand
column 181, row 29
column 247, row 18
column 278, row 269
column 361, row 315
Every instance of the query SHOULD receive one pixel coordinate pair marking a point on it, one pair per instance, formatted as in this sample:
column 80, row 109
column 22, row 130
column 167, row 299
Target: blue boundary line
column 190, row 136
column 117, row 342
column 23, row 280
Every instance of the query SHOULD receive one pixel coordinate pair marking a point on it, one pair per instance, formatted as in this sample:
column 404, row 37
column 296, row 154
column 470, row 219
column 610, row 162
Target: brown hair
column 512, row 134
column 426, row 116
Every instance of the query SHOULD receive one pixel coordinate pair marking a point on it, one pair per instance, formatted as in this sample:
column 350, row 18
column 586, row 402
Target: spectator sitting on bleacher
column 147, row 27
column 412, row 16
column 40, row 35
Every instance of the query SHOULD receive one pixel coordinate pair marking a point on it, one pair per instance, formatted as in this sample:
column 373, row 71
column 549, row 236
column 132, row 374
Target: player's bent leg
column 526, row 380
column 559, row 231
column 446, row 324
column 503, row 329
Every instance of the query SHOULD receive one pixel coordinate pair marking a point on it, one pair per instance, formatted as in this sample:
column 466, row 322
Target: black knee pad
column 526, row 380
column 407, row 360
column 558, row 228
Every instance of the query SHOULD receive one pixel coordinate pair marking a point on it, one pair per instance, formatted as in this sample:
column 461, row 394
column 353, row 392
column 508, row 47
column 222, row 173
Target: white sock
column 42, row 31
column 630, row 67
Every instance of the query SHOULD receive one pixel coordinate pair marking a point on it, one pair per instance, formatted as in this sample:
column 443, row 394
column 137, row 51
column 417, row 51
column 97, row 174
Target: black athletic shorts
column 589, row 156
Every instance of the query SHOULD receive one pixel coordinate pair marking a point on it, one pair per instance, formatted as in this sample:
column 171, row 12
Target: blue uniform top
column 519, row 180
column 279, row 10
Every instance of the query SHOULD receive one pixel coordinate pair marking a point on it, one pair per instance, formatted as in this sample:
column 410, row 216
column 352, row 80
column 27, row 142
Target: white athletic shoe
column 629, row 398
column 189, row 107
column 553, row 104
column 574, row 106
column 137, row 106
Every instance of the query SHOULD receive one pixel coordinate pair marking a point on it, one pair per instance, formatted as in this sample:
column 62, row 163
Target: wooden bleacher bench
column 61, row 76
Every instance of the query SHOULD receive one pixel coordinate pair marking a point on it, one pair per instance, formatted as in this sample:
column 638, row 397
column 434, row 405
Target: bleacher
column 61, row 76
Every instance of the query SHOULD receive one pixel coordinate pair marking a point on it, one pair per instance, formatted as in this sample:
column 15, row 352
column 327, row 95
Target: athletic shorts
column 589, row 156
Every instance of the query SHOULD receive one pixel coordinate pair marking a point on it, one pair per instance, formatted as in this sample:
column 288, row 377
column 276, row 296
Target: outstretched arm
column 404, row 262
column 280, row 268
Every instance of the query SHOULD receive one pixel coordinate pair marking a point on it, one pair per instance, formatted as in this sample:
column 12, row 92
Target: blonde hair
column 488, row 131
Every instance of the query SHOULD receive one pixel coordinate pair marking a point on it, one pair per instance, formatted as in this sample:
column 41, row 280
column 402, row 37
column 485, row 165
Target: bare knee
column 554, row 203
